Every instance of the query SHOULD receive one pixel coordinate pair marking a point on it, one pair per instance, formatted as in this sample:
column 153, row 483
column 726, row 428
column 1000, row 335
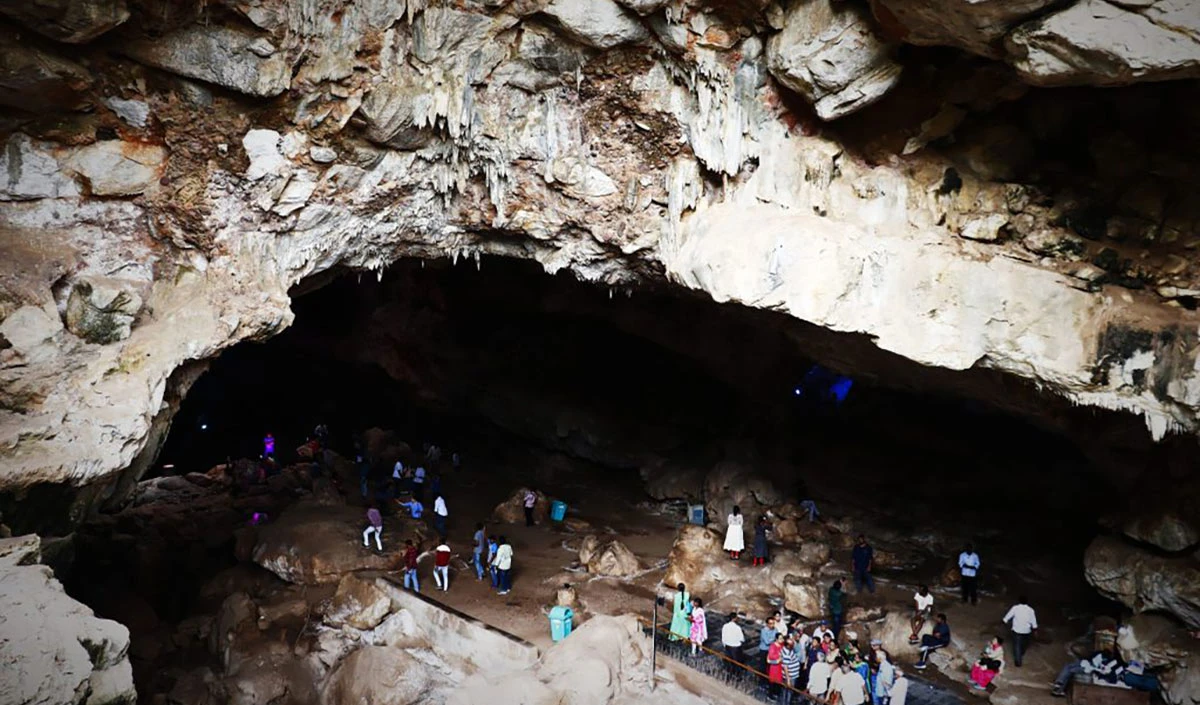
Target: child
column 699, row 633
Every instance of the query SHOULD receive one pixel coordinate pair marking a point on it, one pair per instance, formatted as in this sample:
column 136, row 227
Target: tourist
column 374, row 526
column 791, row 669
column 481, row 547
column 418, row 483
column 503, row 563
column 735, row 541
column 862, row 562
column 818, row 677
column 493, row 547
column 268, row 446
column 529, row 502
column 1023, row 622
column 410, row 566
column 885, row 676
column 440, row 513
column 851, row 688
column 767, row 635
column 775, row 664
column 435, row 484
column 932, row 642
column 398, row 471
column 441, row 567
column 837, row 607
column 364, row 472
column 415, row 508
column 990, row 662
column 760, row 541
column 732, row 638
column 922, row 609
column 821, row 630
column 699, row 631
column 681, row 613
column 835, row 674
column 456, row 461
column 968, row 566
column 1104, row 666
column 898, row 695
column 811, row 507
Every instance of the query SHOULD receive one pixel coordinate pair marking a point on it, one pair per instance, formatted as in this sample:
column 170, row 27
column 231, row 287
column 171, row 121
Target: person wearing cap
column 818, row 677
column 898, row 695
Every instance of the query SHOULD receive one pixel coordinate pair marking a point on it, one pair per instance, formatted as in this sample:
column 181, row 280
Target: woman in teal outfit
column 681, row 615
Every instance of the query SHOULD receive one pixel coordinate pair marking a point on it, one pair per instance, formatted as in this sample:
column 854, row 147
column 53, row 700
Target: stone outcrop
column 314, row 543
column 381, row 675
column 1144, row 581
column 1160, row 643
column 611, row 559
column 358, row 604
column 973, row 25
column 509, row 130
column 68, row 20
column 512, row 510
column 1095, row 42
column 831, row 53
column 53, row 648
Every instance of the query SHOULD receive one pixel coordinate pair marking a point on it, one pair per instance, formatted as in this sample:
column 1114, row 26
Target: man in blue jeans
column 410, row 566
column 481, row 550
column 862, row 560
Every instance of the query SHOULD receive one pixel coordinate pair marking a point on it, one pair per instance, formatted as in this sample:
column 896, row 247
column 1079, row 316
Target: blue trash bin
column 696, row 514
column 558, row 510
column 560, row 622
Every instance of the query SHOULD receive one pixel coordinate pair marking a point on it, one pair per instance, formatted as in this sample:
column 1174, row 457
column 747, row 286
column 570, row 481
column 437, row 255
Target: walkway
column 751, row 681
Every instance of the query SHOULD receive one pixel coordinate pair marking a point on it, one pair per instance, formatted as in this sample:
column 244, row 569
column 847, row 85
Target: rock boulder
column 1094, row 42
column 830, row 53
column 802, row 596
column 609, row 559
column 70, row 21
column 973, row 25
column 1144, row 581
column 602, row 24
column 357, row 603
column 376, row 675
column 314, row 543
column 229, row 57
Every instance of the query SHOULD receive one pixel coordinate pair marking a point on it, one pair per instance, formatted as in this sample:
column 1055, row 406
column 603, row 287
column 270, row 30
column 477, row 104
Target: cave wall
column 171, row 170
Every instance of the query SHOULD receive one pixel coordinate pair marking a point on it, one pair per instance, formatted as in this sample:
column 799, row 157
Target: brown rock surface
column 1144, row 581
column 376, row 675
column 315, row 543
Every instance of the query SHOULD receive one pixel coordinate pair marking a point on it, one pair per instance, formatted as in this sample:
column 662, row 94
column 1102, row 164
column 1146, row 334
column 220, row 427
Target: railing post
column 654, row 641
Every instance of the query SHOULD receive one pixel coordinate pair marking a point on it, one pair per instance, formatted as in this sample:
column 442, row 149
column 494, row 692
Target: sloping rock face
column 204, row 165
column 1143, row 581
column 54, row 649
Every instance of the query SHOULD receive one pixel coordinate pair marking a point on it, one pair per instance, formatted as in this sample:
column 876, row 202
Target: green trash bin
column 560, row 622
column 558, row 510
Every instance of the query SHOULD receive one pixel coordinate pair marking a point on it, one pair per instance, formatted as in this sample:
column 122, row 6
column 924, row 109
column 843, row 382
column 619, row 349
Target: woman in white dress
column 735, row 541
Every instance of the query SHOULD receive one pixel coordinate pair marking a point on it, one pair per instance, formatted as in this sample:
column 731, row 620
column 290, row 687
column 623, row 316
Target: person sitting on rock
column 410, row 566
column 922, row 608
column 990, row 662
column 931, row 642
column 374, row 526
column 735, row 540
column 1104, row 666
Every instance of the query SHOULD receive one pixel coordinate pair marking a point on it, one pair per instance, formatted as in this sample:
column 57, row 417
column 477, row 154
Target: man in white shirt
column 968, row 566
column 732, row 638
column 818, row 677
column 1023, row 621
column 503, row 563
column 899, row 691
column 439, row 516
column 922, row 608
column 851, row 689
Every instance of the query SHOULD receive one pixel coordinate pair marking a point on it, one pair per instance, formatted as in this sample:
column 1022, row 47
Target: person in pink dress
column 699, row 633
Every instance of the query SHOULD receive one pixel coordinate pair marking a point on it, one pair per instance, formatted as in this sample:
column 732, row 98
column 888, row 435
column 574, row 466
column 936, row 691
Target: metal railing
column 717, row 665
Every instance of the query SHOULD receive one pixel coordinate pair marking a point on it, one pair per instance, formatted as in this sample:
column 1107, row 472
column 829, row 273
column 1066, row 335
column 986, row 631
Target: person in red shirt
column 441, row 567
column 410, row 566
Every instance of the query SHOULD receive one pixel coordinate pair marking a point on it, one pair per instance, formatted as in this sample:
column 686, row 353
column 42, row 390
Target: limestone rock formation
column 602, row 24
column 67, row 20
column 803, row 596
column 314, row 543
column 358, row 603
column 1160, row 643
column 376, row 675
column 54, row 649
column 977, row 26
column 1144, row 581
column 830, row 53
column 731, row 484
column 1095, row 42
column 608, row 558
column 232, row 58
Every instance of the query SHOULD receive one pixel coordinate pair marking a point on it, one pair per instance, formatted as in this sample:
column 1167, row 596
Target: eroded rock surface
column 1144, row 581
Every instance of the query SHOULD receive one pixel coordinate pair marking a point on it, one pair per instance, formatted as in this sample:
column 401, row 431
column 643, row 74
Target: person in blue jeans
column 492, row 548
column 862, row 560
column 481, row 549
column 410, row 566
